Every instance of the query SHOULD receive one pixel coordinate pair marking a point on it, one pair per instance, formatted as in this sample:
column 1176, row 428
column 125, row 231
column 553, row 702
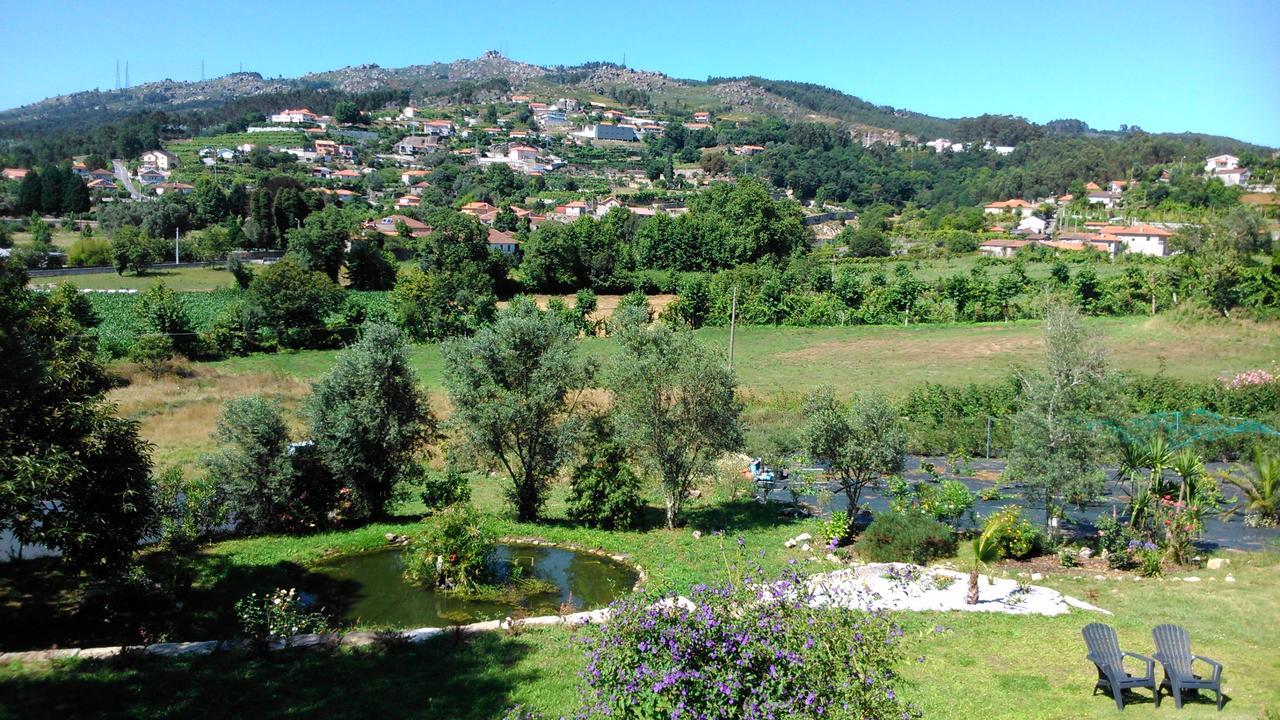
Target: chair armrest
column 1151, row 664
column 1217, row 666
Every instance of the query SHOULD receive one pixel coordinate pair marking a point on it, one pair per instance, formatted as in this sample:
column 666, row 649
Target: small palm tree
column 1259, row 490
column 1190, row 467
column 986, row 550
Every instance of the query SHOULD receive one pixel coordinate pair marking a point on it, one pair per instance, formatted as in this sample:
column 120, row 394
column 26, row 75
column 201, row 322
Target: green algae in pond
column 370, row 590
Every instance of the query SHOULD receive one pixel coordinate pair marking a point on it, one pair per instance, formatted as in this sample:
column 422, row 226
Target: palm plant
column 986, row 550
column 1189, row 466
column 1259, row 499
column 1159, row 459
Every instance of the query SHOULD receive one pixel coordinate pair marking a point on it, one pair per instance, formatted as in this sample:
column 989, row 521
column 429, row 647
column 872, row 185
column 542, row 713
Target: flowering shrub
column 743, row 650
column 1116, row 539
column 1016, row 536
column 1251, row 377
column 905, row 578
column 277, row 614
column 1178, row 524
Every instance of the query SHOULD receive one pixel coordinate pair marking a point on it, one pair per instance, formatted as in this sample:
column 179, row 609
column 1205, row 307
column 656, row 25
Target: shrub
column 442, row 489
column 1016, row 536
column 945, row 502
column 909, row 536
column 278, row 614
column 152, row 353
column 89, row 251
column 754, row 650
column 455, row 553
column 1119, row 542
column 604, row 492
column 835, row 528
column 187, row 511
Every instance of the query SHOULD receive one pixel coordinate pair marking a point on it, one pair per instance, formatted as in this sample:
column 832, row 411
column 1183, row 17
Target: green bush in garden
column 909, row 536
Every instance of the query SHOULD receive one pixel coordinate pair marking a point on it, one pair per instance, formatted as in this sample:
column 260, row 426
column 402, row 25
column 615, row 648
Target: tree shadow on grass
column 184, row 598
column 439, row 679
column 739, row 515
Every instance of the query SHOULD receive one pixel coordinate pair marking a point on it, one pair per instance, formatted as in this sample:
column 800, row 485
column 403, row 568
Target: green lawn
column 980, row 665
column 199, row 278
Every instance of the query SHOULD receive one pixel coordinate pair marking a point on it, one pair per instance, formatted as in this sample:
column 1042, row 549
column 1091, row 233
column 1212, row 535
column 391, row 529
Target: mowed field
column 776, row 366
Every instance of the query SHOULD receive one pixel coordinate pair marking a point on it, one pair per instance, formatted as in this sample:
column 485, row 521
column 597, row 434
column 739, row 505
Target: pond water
column 370, row 589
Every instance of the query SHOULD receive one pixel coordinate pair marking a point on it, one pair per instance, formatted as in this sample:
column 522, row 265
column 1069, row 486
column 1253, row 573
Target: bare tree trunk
column 972, row 597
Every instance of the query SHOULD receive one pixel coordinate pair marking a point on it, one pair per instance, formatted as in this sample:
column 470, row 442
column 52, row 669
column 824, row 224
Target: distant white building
column 160, row 160
column 1233, row 176
column 1221, row 162
column 1140, row 239
column 608, row 132
column 296, row 117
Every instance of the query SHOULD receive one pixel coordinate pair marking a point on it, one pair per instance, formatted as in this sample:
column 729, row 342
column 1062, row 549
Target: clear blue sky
column 1165, row 66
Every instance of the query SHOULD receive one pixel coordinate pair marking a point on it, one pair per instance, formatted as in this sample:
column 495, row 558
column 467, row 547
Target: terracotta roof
column 1004, row 243
column 499, row 237
column 1136, row 230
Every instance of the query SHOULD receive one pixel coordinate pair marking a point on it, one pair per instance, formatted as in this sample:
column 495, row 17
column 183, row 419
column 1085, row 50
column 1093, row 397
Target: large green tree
column 368, row 419
column 72, row 475
column 676, row 403
column 321, row 243
column 515, row 387
column 292, row 302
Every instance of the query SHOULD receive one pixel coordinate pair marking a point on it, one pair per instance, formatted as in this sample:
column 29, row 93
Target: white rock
column 1191, row 578
column 1037, row 576
column 1217, row 563
column 832, row 557
column 1099, row 577
column 803, row 537
column 790, row 543
column 805, row 547
column 697, row 534
column 1229, row 578
column 1085, row 553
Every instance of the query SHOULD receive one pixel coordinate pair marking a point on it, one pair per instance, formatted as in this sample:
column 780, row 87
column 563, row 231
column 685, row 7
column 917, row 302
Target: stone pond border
column 358, row 638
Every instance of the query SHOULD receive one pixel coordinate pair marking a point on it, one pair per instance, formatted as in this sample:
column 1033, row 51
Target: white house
column 1017, row 205
column 151, row 176
column 295, row 117
column 1033, row 224
column 1233, row 176
column 1140, row 239
column 160, row 159
column 1221, row 162
column 1104, row 198
column 522, row 153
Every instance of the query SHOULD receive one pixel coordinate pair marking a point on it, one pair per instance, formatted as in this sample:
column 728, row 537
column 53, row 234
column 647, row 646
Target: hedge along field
column 119, row 328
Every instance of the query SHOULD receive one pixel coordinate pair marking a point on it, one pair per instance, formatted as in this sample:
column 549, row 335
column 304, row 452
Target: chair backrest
column 1104, row 647
column 1173, row 648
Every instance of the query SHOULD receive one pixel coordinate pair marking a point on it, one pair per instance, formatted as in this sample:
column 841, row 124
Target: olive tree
column 859, row 441
column 1054, row 448
column 368, row 419
column 677, row 406
column 515, row 386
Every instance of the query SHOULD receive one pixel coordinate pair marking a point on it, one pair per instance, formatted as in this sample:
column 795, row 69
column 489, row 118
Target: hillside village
column 384, row 158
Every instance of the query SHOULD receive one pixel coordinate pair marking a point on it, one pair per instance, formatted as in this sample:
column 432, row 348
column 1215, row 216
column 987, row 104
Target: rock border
column 356, row 638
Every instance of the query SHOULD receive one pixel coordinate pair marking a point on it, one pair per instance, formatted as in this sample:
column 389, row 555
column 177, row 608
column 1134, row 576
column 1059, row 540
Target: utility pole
column 176, row 234
column 733, row 321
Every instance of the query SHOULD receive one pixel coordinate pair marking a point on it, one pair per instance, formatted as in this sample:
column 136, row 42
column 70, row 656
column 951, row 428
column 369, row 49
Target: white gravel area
column 900, row 586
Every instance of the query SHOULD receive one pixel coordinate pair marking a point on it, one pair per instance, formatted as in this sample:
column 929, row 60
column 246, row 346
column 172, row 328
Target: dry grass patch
column 178, row 412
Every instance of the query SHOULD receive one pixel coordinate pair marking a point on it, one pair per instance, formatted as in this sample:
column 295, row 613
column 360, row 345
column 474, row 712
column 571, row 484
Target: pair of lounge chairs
column 1173, row 652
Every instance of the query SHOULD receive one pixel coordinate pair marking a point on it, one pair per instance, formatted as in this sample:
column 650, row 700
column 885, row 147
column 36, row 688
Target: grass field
column 776, row 366
column 190, row 279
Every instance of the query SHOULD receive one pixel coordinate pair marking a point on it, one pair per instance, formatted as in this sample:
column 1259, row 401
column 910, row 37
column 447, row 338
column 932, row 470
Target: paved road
column 122, row 174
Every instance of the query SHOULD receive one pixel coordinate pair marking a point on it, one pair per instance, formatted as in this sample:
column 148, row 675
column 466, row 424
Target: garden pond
column 370, row 590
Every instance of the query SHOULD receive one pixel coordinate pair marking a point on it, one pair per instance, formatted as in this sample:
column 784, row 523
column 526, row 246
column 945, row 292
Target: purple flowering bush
column 754, row 649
